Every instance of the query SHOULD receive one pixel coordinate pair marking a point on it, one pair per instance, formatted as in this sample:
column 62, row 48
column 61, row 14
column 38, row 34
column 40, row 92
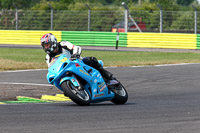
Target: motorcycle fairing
column 57, row 74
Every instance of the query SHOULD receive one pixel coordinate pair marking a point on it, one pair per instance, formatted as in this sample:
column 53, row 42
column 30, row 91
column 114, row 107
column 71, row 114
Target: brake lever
column 72, row 59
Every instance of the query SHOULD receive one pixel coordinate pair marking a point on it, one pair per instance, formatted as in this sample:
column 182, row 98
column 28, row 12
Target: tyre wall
column 162, row 40
column 85, row 38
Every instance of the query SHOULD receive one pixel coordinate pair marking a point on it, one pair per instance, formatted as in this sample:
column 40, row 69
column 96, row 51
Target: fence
column 93, row 20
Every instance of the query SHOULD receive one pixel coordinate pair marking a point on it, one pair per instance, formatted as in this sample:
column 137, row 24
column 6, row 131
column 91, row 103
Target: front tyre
column 79, row 96
column 121, row 95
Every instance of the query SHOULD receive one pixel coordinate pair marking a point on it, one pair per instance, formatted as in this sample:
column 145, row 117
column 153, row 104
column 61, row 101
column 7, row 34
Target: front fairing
column 58, row 61
column 57, row 65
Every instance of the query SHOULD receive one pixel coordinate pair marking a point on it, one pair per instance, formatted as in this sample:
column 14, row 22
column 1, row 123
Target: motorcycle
column 82, row 83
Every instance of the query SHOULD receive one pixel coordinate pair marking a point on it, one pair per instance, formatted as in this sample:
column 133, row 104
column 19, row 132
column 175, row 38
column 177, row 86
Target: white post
column 16, row 17
column 195, row 19
column 51, row 16
column 161, row 18
column 89, row 16
column 125, row 16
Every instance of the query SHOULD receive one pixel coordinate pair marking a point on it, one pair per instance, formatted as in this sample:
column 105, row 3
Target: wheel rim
column 82, row 94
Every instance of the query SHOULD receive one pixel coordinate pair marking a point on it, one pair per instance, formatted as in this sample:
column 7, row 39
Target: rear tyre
column 79, row 96
column 121, row 95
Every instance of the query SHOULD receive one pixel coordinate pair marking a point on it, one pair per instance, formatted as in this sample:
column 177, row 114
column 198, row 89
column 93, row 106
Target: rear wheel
column 121, row 95
column 78, row 95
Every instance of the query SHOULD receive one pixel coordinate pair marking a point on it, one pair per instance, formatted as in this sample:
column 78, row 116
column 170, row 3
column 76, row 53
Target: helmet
column 49, row 43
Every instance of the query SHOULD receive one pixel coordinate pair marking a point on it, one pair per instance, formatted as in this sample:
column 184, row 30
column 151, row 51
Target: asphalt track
column 162, row 99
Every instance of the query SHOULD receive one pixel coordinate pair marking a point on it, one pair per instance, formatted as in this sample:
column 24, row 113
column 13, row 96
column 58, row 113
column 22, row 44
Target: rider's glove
column 75, row 56
column 77, row 50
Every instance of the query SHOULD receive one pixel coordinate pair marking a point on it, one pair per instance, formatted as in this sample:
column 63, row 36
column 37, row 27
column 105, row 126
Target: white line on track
column 24, row 70
column 181, row 64
column 162, row 65
column 34, row 84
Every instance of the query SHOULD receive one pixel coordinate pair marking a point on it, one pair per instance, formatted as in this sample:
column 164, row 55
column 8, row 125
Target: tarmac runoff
column 44, row 99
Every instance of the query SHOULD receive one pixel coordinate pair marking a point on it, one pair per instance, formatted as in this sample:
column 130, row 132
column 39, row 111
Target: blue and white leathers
column 62, row 68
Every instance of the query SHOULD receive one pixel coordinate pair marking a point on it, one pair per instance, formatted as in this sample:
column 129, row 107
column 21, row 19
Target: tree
column 185, row 2
column 21, row 4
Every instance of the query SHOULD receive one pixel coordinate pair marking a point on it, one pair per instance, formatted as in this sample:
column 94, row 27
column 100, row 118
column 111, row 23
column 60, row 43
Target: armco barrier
column 162, row 40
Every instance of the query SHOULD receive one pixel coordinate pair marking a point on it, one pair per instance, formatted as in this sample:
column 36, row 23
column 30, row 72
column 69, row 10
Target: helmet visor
column 46, row 45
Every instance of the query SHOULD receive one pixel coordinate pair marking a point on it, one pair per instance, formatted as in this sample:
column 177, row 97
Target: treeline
column 170, row 5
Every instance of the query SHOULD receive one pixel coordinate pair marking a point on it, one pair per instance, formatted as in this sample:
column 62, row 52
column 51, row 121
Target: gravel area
column 9, row 92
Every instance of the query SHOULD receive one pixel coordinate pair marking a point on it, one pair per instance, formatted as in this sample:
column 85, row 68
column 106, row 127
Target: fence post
column 51, row 16
column 195, row 19
column 89, row 16
column 125, row 17
column 161, row 18
column 16, row 16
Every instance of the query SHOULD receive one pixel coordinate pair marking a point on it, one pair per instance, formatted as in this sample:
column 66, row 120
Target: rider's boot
column 106, row 74
column 108, row 77
column 92, row 61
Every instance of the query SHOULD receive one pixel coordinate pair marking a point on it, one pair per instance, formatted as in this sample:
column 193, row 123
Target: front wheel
column 78, row 95
column 121, row 95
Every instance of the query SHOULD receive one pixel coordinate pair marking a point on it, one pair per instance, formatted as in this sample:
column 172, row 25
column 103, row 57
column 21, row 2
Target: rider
column 53, row 48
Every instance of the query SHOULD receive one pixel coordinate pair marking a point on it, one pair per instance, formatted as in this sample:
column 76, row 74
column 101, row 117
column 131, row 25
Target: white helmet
column 49, row 43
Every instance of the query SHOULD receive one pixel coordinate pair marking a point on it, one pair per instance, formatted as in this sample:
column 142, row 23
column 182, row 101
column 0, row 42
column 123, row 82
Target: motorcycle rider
column 53, row 48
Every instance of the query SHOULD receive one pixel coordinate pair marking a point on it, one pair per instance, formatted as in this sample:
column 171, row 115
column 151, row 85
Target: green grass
column 131, row 58
column 17, row 58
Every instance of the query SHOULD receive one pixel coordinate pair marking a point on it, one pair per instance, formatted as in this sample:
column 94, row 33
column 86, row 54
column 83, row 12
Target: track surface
column 161, row 100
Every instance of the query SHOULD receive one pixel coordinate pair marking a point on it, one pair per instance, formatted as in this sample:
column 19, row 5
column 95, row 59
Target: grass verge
column 19, row 58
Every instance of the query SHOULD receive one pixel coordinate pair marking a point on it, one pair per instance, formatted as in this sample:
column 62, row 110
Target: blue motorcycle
column 82, row 83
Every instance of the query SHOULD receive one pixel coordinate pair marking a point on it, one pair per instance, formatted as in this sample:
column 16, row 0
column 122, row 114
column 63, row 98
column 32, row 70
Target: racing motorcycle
column 82, row 83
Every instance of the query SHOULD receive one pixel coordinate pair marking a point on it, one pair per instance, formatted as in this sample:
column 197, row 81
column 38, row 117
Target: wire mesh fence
column 85, row 20
column 179, row 21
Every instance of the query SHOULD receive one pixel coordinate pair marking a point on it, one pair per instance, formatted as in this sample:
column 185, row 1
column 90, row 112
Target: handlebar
column 74, row 57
